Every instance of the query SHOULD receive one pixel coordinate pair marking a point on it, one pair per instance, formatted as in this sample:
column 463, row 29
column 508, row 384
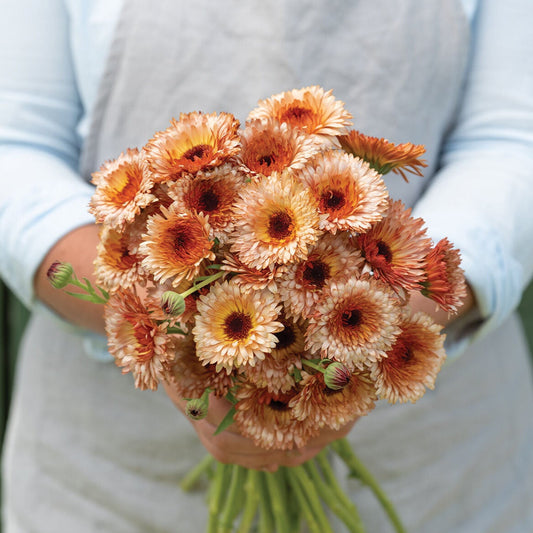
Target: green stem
column 217, row 498
column 351, row 521
column 316, row 366
column 203, row 283
column 251, row 487
column 295, row 512
column 188, row 482
column 332, row 482
column 231, row 505
column 357, row 468
column 275, row 490
column 266, row 519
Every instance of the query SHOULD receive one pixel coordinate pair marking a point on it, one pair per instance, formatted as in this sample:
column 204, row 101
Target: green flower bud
column 336, row 376
column 196, row 408
column 60, row 274
column 173, row 303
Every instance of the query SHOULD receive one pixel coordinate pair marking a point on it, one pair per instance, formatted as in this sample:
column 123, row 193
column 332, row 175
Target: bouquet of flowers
column 268, row 265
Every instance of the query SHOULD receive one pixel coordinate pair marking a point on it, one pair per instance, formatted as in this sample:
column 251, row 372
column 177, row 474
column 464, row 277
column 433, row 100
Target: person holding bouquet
column 82, row 81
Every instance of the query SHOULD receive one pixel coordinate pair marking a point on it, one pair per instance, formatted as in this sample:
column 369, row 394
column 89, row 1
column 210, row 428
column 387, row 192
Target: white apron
column 87, row 453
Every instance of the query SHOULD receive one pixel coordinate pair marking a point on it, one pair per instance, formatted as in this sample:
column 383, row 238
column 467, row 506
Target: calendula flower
column 175, row 245
column 194, row 142
column 413, row 362
column 122, row 189
column 233, row 328
column 444, row 280
column 350, row 195
column 267, row 419
column 324, row 407
column 253, row 279
column 137, row 341
column 311, row 109
column 333, row 257
column 269, row 147
column 396, row 247
column 384, row 156
column 355, row 322
column 277, row 221
column 117, row 264
column 191, row 377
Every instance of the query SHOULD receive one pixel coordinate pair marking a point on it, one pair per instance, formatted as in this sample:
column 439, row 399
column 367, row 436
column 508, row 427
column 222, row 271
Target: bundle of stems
column 242, row 500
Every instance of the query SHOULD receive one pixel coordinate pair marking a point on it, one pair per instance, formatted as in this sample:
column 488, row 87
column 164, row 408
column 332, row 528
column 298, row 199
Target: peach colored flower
column 122, row 190
column 267, row 419
column 444, row 280
column 351, row 196
column 396, row 248
column 196, row 141
column 356, row 322
column 310, row 109
column 276, row 222
column 333, row 408
column 269, row 147
column 413, row 362
column 138, row 343
column 176, row 244
column 234, row 328
column 384, row 156
column 211, row 193
column 117, row 265
column 332, row 258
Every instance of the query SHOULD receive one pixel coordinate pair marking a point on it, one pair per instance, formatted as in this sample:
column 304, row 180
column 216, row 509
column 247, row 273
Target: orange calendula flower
column 384, row 156
column 191, row 377
column 333, row 408
column 233, row 328
column 211, row 193
column 350, row 195
column 268, row 147
column 310, row 109
column 122, row 190
column 396, row 248
column 276, row 222
column 302, row 286
column 413, row 362
column 176, row 244
column 444, row 280
column 355, row 322
column 137, row 342
column 267, row 419
column 116, row 264
column 194, row 142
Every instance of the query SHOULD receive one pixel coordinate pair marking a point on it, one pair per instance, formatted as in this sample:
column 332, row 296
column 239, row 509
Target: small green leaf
column 226, row 421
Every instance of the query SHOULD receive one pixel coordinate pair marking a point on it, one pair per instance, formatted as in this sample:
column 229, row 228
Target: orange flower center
column 200, row 151
column 125, row 185
column 297, row 115
column 237, row 326
column 280, row 225
column 208, row 201
column 140, row 334
column 332, row 200
column 315, row 273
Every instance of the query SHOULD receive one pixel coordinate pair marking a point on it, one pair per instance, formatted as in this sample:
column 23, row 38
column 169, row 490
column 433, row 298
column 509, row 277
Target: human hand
column 230, row 446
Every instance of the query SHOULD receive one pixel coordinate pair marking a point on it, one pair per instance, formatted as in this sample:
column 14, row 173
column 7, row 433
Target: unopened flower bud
column 60, row 274
column 336, row 376
column 173, row 303
column 196, row 408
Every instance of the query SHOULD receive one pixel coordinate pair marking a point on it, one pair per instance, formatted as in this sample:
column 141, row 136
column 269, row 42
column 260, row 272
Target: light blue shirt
column 481, row 198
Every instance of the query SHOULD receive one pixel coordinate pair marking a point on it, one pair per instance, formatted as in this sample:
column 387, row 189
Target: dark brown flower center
column 266, row 160
column 181, row 240
column 278, row 405
column 384, row 251
column 351, row 318
column 286, row 337
column 197, row 152
column 208, row 201
column 297, row 115
column 316, row 273
column 332, row 200
column 237, row 325
column 280, row 225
